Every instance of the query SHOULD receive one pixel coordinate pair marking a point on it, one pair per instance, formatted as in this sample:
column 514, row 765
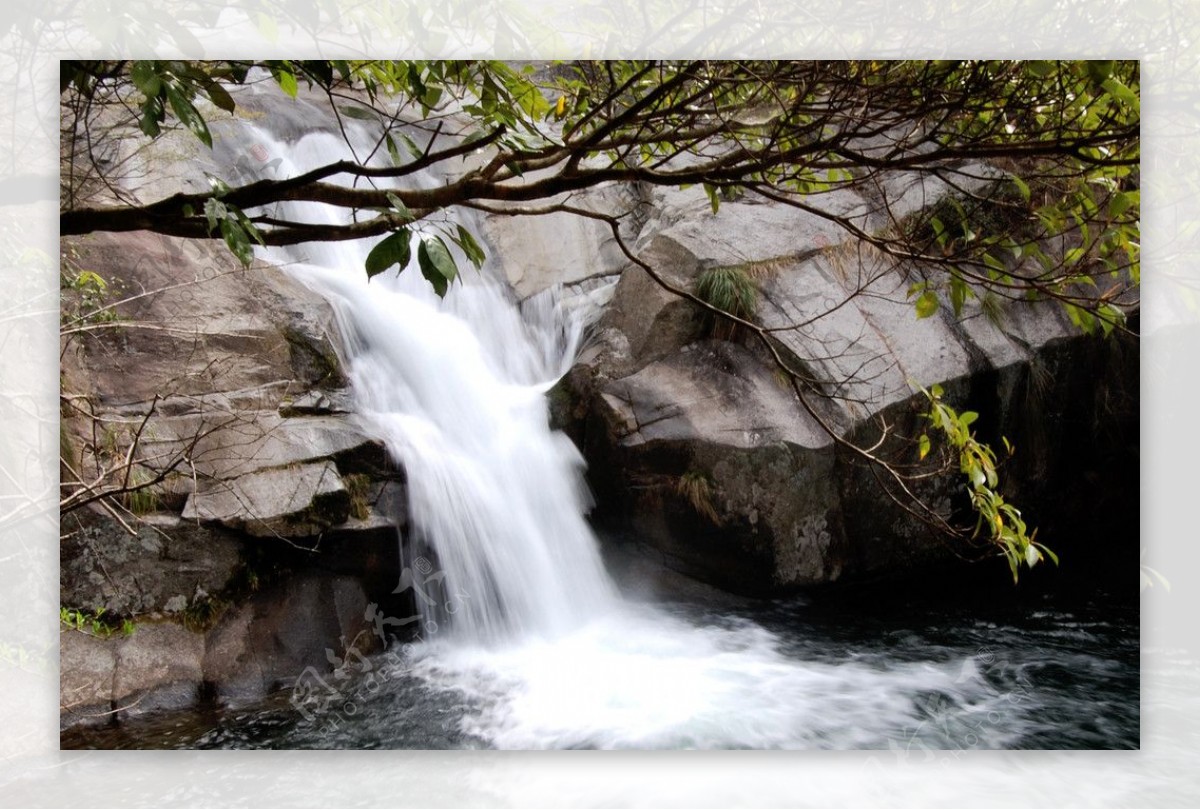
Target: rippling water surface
column 905, row 674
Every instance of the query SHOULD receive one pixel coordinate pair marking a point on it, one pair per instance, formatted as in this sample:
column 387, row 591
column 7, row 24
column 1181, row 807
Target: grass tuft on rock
column 731, row 290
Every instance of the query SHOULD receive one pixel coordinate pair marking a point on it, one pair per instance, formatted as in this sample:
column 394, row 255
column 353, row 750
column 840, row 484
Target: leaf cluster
column 998, row 521
column 730, row 290
column 98, row 622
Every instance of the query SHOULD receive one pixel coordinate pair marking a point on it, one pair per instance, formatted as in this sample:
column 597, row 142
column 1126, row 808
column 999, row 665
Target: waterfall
column 455, row 389
column 533, row 642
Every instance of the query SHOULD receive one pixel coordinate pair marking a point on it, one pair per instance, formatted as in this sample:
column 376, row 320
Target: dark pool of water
column 1007, row 669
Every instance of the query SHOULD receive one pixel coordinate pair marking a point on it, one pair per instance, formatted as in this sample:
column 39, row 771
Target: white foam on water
column 644, row 679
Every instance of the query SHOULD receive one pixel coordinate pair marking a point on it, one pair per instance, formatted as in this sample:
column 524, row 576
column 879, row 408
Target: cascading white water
column 539, row 645
column 492, row 491
column 455, row 390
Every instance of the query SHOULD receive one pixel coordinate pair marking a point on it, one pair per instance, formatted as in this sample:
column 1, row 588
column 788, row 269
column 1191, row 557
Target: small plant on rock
column 731, row 290
column 203, row 613
column 99, row 623
column 358, row 486
column 694, row 487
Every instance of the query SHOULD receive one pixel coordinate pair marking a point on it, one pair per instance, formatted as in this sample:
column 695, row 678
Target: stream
column 908, row 672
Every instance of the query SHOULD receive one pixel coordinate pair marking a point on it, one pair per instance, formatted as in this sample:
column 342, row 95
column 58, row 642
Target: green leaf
column 145, row 78
column 287, row 82
column 968, row 418
column 416, row 85
column 471, row 136
column 220, row 97
column 249, row 228
column 1118, row 90
column 958, row 295
column 187, row 113
column 1012, row 564
column 927, row 304
column 1099, row 70
column 151, row 115
column 215, row 211
column 924, row 446
column 400, row 207
column 1120, row 203
column 395, row 249
column 994, row 263
column 437, row 265
column 237, row 240
column 977, row 476
column 939, row 230
column 1041, row 68
column 361, row 113
column 470, row 247
column 411, row 146
column 1022, row 187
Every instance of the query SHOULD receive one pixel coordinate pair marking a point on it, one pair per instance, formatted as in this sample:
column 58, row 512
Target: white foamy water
column 495, row 495
column 536, row 644
column 639, row 678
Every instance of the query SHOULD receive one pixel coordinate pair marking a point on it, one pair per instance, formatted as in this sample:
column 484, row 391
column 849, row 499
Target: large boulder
column 87, row 665
column 706, row 454
column 113, row 677
column 291, row 501
column 265, row 501
column 312, row 620
column 537, row 253
column 194, row 323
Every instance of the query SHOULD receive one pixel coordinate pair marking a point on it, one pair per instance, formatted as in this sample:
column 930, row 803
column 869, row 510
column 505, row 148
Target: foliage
column 999, row 521
column 731, row 290
column 99, row 623
column 85, row 294
column 696, row 488
column 203, row 613
column 1067, row 130
column 139, row 496
column 234, row 226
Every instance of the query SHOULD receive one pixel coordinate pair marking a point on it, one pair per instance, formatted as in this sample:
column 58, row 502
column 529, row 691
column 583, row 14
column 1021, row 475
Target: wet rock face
column 699, row 449
column 275, row 522
column 309, row 622
column 158, row 570
column 269, row 641
column 105, row 680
